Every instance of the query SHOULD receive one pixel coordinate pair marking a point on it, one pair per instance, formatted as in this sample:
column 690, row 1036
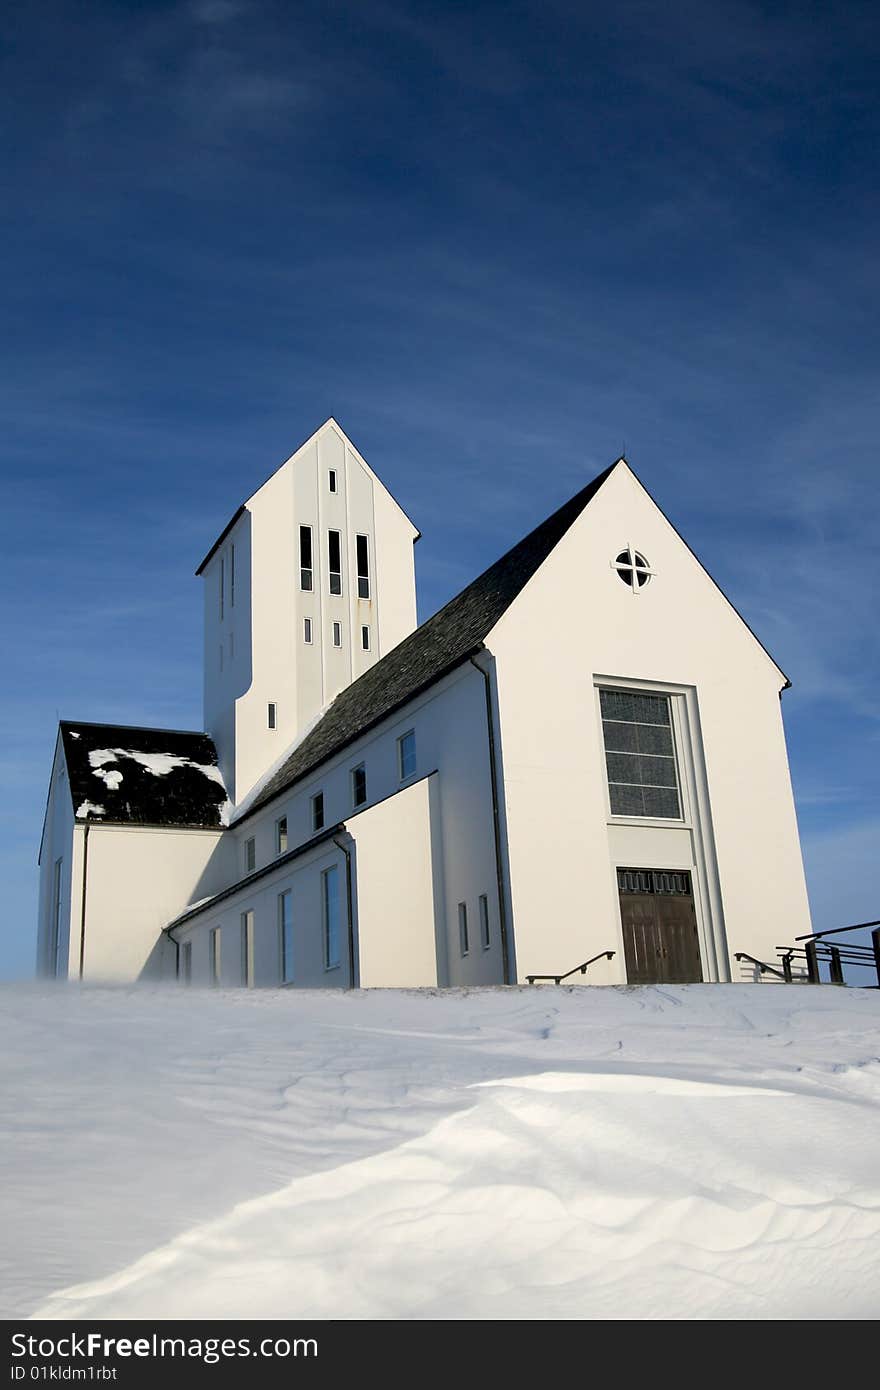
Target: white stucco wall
column 137, row 880
column 396, row 927
column 576, row 623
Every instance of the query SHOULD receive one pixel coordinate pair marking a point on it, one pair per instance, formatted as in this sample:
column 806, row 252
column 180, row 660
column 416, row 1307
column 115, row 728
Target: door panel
column 660, row 940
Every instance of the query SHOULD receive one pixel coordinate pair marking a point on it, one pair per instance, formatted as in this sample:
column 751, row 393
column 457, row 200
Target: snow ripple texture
column 690, row 1152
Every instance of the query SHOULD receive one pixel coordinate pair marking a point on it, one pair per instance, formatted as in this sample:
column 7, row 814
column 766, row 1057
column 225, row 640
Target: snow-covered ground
column 700, row 1151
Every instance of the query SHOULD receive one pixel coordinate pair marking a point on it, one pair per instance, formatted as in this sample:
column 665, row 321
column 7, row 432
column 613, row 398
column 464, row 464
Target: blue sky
column 501, row 243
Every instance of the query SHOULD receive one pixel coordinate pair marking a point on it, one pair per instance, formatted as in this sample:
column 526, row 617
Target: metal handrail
column 557, row 979
column 835, row 931
column 762, row 965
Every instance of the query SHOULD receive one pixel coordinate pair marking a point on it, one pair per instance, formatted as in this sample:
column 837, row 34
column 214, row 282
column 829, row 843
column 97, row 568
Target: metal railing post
column 835, row 966
column 810, row 952
column 786, row 969
column 875, row 942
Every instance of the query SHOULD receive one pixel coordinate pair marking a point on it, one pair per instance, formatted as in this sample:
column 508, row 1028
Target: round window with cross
column 632, row 568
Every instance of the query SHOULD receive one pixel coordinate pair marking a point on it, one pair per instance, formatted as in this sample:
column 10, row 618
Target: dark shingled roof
column 183, row 794
column 440, row 644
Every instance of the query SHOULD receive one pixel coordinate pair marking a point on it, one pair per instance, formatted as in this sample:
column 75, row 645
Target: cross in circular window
column 632, row 568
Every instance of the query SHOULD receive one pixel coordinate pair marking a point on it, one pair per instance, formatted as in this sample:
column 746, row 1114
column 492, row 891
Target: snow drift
column 700, row 1151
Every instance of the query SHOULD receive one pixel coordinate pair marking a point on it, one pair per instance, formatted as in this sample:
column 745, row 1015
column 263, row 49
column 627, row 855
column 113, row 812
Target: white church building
column 580, row 758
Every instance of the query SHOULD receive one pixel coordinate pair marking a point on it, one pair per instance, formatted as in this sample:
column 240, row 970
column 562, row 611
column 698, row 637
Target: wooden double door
column 660, row 940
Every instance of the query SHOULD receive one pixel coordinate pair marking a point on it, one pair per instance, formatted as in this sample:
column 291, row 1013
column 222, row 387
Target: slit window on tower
column 331, row 480
column 307, row 630
column 363, row 567
column 337, row 634
column 272, row 715
column 305, row 557
column 365, row 638
column 334, row 561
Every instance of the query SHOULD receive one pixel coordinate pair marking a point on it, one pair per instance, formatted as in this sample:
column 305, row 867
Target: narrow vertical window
column 359, row 785
column 285, row 937
column 334, row 561
column 330, row 896
column 463, row 928
column 232, row 576
column 363, row 566
column 365, row 638
column 406, row 754
column 247, row 949
column 185, row 963
column 305, row 557
column 484, row 922
column 331, row 479
column 250, row 855
column 272, row 715
column 281, row 835
column 222, row 585
column 307, row 631
column 55, row 924
column 318, row 811
column 214, row 946
column 337, row 634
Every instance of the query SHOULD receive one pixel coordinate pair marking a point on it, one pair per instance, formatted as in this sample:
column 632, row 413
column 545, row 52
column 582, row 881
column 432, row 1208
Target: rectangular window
column 272, row 715
column 640, row 754
column 363, row 566
column 330, row 897
column 281, row 835
column 247, row 949
column 337, row 634
column 359, row 785
column 406, row 754
column 317, row 811
column 463, row 928
column 185, row 963
column 305, row 557
column 232, row 576
column 250, row 855
column 307, row 631
column 334, row 561
column 55, row 924
column 285, row 936
column 222, row 585
column 365, row 638
column 484, row 922
column 331, row 479
column 214, row 946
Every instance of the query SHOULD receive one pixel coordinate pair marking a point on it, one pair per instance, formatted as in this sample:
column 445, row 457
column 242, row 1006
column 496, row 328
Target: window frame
column 215, row 944
column 306, row 585
column 285, row 937
column 282, row 837
column 365, row 637
column 307, row 631
column 250, row 854
column 272, row 715
column 362, row 769
column 402, row 774
column 335, row 591
column 331, row 870
column 314, row 809
column 247, row 948
column 485, row 934
column 337, row 633
column 332, row 480
column 675, row 699
column 363, row 572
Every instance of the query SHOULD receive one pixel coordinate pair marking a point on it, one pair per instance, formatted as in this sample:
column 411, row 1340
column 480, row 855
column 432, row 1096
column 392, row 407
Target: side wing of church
column 580, row 756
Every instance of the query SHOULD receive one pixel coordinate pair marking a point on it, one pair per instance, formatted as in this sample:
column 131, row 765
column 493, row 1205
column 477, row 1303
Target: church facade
column 580, row 758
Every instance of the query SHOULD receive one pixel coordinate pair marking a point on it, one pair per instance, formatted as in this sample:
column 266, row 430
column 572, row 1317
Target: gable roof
column 143, row 776
column 446, row 640
column 239, row 511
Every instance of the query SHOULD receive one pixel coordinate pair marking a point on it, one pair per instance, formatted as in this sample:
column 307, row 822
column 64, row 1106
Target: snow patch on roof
column 73, row 735
column 88, row 808
column 159, row 764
